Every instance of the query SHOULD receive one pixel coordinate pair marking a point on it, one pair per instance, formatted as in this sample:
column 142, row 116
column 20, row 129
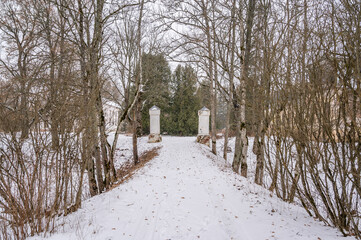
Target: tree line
column 176, row 94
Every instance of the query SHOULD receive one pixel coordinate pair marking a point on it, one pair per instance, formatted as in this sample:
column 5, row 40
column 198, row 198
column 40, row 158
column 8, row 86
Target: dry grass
column 127, row 170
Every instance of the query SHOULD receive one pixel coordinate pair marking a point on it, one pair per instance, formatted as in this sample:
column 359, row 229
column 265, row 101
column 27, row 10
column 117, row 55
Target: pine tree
column 156, row 91
column 185, row 101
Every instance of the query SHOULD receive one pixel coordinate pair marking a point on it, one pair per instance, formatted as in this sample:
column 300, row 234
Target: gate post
column 203, row 126
column 154, row 114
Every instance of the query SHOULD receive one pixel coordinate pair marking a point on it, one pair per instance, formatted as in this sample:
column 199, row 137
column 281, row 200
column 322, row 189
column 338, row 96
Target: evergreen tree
column 175, row 94
column 185, row 102
column 156, row 91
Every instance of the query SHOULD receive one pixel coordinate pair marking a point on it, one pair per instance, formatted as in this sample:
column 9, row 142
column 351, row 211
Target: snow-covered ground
column 124, row 150
column 187, row 193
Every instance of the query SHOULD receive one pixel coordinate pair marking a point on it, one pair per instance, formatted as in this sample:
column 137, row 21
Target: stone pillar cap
column 154, row 108
column 204, row 111
column 154, row 111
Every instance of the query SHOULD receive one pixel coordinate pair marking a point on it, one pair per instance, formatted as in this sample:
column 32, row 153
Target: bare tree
column 20, row 33
column 198, row 16
column 241, row 145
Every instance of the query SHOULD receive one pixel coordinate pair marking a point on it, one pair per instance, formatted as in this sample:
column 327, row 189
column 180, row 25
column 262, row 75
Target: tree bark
column 259, row 151
column 135, row 137
column 104, row 145
column 226, row 134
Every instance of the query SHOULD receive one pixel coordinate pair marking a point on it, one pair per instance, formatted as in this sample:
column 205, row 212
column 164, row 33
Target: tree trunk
column 103, row 142
column 276, row 168
column 135, row 138
column 98, row 168
column 214, row 114
column 259, row 142
column 138, row 84
column 226, row 134
column 93, row 188
column 240, row 156
column 297, row 173
column 24, row 112
column 243, row 131
column 83, row 166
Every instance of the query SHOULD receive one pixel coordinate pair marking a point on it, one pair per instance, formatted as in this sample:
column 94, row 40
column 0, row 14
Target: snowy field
column 187, row 193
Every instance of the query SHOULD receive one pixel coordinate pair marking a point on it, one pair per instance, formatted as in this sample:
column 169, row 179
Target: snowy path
column 183, row 194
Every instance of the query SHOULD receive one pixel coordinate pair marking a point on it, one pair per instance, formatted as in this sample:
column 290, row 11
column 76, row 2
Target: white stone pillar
column 154, row 114
column 203, row 126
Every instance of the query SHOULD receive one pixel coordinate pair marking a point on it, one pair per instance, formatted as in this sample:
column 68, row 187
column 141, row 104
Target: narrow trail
column 186, row 193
